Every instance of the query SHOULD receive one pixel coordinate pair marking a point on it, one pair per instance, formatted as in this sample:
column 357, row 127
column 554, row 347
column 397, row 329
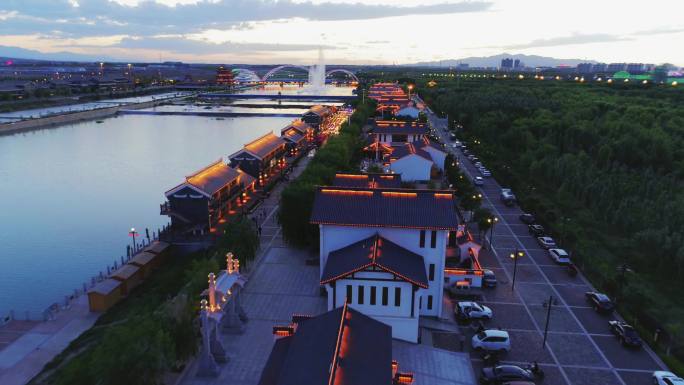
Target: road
column 580, row 349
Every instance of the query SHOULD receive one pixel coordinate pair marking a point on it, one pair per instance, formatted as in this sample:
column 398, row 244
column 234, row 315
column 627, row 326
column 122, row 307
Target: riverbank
column 73, row 117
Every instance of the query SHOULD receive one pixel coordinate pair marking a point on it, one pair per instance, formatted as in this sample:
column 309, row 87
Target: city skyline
column 292, row 30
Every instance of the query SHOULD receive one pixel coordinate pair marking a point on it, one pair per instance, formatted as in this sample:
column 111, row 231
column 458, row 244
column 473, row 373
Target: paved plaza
column 580, row 349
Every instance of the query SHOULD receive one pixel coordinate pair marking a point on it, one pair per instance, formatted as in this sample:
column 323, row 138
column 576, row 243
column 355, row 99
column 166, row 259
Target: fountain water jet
column 317, row 72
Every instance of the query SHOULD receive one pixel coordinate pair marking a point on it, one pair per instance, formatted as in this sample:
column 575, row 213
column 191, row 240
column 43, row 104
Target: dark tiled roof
column 379, row 252
column 262, row 146
column 340, row 347
column 318, row 110
column 406, row 149
column 210, row 179
column 292, row 135
column 367, row 180
column 399, row 127
column 423, row 209
column 298, row 125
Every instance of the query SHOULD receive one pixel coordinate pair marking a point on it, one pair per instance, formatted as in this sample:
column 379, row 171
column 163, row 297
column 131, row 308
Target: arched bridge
column 273, row 71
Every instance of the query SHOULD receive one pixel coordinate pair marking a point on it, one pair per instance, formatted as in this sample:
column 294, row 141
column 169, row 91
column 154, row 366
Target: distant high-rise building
column 615, row 67
column 506, row 63
column 599, row 67
column 517, row 63
column 635, row 67
column 649, row 67
column 462, row 66
column 585, row 68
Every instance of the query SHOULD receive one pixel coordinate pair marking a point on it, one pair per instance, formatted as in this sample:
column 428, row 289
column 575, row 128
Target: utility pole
column 548, row 306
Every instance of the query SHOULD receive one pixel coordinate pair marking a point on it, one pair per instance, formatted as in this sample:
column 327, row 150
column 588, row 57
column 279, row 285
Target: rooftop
column 210, row 179
column 399, row 127
column 264, row 145
column 292, row 135
column 340, row 347
column 367, row 180
column 378, row 252
column 319, row 110
column 298, row 125
column 105, row 287
column 385, row 207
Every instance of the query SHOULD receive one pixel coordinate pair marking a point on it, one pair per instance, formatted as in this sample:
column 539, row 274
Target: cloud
column 659, row 31
column 182, row 45
column 93, row 17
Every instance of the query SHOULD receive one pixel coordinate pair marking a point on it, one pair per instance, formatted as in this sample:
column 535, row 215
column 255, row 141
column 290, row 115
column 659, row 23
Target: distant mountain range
column 29, row 54
column 495, row 61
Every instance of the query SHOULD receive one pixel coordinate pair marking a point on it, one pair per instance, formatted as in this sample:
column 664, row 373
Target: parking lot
column 580, row 348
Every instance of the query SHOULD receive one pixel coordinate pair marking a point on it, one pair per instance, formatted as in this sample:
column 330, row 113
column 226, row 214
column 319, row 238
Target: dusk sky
column 355, row 32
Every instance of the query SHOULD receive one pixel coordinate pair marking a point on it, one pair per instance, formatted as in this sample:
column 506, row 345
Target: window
column 385, row 294
column 372, row 297
column 360, row 299
column 422, row 238
column 349, row 294
column 433, row 239
column 432, row 272
column 429, row 302
column 420, row 302
column 397, row 296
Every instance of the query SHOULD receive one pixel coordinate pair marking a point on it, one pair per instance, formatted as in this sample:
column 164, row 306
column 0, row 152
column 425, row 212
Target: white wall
column 404, row 326
column 412, row 168
column 336, row 237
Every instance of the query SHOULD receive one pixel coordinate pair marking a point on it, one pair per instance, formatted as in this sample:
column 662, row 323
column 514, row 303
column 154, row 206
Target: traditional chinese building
column 370, row 180
column 384, row 250
column 298, row 135
column 397, row 131
column 206, row 196
column 316, row 116
column 262, row 157
column 340, row 347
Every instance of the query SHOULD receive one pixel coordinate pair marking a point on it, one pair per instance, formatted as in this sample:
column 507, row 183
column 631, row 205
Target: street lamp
column 515, row 256
column 622, row 270
column 548, row 305
column 133, row 233
column 410, row 87
column 492, row 222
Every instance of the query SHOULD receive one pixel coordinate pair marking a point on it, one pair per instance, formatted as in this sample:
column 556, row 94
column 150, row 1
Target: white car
column 662, row 377
column 492, row 340
column 473, row 310
column 559, row 256
column 479, row 181
column 485, row 172
column 546, row 242
column 478, row 164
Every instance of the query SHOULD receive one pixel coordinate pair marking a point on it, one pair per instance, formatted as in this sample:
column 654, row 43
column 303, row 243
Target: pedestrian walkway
column 37, row 345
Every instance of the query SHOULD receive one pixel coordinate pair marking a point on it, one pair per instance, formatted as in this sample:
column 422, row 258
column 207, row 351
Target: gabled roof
column 298, row 125
column 262, row 146
column 407, row 149
column 208, row 180
column 318, row 110
column 340, row 347
column 399, row 127
column 385, row 207
column 375, row 252
column 292, row 135
column 371, row 180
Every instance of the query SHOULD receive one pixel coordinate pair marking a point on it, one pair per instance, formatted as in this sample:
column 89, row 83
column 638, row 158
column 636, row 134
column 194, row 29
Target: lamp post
column 133, row 233
column 410, row 87
column 622, row 270
column 517, row 255
column 492, row 221
column 548, row 305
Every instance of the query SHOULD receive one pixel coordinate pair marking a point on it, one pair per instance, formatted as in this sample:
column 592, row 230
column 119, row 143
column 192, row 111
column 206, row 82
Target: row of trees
column 154, row 330
column 341, row 153
column 603, row 168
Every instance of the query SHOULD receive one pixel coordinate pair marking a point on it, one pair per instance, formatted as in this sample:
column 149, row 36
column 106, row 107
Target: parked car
column 559, row 256
column 486, row 173
column 546, row 242
column 478, row 181
column 600, row 302
column 662, row 377
column 471, row 156
column 478, row 164
column 452, row 136
column 492, row 340
column 457, row 143
column 536, row 230
column 626, row 333
column 505, row 373
column 489, row 278
column 469, row 310
column 527, row 219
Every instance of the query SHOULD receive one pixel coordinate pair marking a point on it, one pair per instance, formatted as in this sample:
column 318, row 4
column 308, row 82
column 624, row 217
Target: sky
column 350, row 31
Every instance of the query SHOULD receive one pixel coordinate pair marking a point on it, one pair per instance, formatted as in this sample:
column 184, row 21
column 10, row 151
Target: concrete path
column 26, row 356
